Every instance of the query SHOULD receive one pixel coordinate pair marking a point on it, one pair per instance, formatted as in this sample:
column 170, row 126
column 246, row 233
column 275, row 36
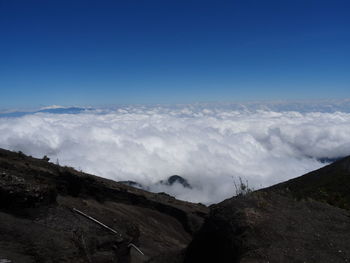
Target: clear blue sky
column 81, row 52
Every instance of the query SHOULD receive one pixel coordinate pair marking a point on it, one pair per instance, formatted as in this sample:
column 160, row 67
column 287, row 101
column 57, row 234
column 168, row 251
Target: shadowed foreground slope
column 38, row 224
column 300, row 220
column 305, row 219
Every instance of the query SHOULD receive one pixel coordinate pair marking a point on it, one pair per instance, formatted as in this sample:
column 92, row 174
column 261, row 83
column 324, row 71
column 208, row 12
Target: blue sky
column 117, row 52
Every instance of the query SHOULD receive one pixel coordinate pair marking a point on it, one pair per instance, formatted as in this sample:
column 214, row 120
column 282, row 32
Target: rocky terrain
column 306, row 219
column 38, row 223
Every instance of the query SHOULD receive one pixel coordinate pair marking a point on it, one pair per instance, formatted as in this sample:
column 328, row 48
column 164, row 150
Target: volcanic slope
column 305, row 219
column 38, row 223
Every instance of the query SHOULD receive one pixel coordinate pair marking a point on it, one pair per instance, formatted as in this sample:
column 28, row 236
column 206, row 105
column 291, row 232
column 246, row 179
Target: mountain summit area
column 50, row 213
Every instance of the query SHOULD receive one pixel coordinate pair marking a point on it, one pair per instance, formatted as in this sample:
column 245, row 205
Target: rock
column 45, row 158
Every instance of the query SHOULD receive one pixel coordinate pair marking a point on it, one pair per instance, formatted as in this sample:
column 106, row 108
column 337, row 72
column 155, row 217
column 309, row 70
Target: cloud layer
column 210, row 147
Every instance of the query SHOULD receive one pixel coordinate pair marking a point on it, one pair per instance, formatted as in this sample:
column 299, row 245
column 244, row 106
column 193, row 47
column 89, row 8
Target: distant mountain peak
column 176, row 179
column 53, row 107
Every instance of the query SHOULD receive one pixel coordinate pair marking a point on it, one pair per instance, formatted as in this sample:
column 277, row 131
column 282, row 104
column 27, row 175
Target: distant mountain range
column 56, row 110
column 298, row 106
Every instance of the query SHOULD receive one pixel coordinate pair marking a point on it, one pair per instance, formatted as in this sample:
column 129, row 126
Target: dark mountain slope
column 38, row 224
column 330, row 184
column 289, row 222
column 300, row 220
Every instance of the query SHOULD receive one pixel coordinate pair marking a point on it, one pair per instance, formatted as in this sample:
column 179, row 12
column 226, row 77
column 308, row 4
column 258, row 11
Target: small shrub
column 242, row 188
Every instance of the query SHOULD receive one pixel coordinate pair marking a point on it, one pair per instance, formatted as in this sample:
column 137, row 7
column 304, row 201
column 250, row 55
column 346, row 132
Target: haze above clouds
column 210, row 146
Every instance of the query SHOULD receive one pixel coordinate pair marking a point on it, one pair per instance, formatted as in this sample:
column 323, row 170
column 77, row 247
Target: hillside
column 306, row 219
column 39, row 225
column 300, row 220
column 330, row 184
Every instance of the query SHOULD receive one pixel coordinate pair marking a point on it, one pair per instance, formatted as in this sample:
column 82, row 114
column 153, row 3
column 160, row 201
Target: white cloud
column 206, row 145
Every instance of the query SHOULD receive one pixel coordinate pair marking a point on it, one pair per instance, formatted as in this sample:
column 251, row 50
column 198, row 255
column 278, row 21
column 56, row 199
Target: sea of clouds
column 209, row 145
